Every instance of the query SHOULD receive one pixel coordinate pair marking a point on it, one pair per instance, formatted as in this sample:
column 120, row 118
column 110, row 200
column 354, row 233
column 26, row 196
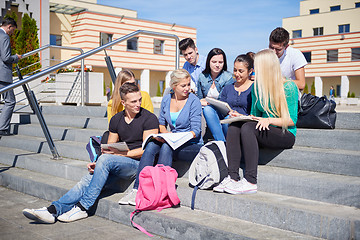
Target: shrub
column 306, row 90
column 313, row 88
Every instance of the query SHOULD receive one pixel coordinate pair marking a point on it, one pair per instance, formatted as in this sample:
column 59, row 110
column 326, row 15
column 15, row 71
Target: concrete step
column 347, row 121
column 174, row 223
column 309, row 217
column 337, row 189
column 73, row 121
column 68, row 149
column 59, row 133
column 335, row 161
column 333, row 139
column 87, row 111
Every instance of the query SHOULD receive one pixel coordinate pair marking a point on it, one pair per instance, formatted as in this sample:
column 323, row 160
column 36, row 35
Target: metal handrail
column 65, row 48
column 89, row 53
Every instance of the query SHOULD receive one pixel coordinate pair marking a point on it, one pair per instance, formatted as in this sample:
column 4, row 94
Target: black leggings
column 243, row 139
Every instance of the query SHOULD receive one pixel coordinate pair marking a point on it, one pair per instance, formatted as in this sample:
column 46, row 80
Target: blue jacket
column 205, row 82
column 189, row 118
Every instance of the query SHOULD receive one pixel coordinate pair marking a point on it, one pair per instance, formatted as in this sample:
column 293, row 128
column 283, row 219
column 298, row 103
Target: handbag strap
column 137, row 226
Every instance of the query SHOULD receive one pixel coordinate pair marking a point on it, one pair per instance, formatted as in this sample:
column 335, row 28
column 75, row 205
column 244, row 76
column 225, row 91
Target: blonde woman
column 115, row 106
column 274, row 106
column 181, row 111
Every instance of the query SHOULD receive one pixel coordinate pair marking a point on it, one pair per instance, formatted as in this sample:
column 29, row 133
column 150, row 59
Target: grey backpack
column 209, row 167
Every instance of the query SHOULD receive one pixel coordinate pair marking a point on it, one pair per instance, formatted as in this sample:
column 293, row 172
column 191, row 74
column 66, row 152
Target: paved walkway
column 13, row 224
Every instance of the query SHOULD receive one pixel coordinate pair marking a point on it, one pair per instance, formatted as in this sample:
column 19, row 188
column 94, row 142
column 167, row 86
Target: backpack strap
column 220, row 160
column 170, row 182
column 195, row 190
column 137, row 226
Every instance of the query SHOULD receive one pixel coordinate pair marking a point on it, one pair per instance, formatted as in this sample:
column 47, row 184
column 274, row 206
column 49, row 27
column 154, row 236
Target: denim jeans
column 88, row 189
column 213, row 117
column 186, row 152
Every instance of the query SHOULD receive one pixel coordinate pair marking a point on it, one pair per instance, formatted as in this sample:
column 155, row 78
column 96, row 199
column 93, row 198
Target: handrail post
column 82, row 83
column 36, row 108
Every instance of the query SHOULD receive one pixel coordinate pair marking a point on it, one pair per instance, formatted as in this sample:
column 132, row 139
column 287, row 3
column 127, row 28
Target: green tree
column 158, row 92
column 313, row 88
column 306, row 89
column 352, row 95
column 27, row 40
column 14, row 36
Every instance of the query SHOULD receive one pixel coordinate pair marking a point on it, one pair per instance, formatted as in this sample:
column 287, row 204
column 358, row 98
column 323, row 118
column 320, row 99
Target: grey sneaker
column 73, row 215
column 129, row 198
column 41, row 215
column 221, row 186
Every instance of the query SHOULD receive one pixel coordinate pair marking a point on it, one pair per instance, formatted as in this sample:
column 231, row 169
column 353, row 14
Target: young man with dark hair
column 292, row 61
column 195, row 63
column 7, row 28
column 132, row 126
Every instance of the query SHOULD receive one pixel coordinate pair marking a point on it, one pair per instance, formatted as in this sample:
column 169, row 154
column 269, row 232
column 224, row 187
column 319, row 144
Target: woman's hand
column 234, row 113
column 263, row 123
column 91, row 167
column 203, row 102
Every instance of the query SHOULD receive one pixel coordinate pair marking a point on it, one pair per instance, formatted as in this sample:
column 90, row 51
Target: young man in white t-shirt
column 292, row 61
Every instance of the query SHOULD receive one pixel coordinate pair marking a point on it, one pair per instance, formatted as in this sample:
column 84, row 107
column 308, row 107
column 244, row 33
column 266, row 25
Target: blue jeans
column 186, row 152
column 213, row 117
column 88, row 189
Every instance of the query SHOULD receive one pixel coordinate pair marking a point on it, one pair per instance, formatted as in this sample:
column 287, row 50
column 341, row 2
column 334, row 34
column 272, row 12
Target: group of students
column 270, row 98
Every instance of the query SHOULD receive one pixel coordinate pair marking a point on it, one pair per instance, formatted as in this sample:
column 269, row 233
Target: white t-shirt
column 291, row 60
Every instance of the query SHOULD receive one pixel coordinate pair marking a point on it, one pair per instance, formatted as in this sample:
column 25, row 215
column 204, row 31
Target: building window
column 357, row 5
column 158, row 46
column 318, row 31
column 314, row 11
column 332, row 55
column 105, row 38
column 55, row 40
column 335, row 8
column 297, row 33
column 355, row 54
column 132, row 44
column 307, row 56
column 345, row 28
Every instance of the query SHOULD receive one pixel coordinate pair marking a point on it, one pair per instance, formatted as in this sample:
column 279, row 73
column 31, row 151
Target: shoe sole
column 35, row 217
column 218, row 190
column 69, row 220
column 240, row 192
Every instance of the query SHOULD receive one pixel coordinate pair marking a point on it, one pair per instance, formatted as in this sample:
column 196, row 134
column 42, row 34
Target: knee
column 208, row 111
column 248, row 128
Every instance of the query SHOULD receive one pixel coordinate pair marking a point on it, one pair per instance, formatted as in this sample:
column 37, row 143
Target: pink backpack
column 156, row 191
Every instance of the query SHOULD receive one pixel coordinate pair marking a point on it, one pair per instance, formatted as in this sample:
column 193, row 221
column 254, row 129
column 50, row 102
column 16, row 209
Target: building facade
column 328, row 33
column 87, row 25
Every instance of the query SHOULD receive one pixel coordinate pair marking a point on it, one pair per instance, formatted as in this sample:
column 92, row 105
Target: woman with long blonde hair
column 114, row 105
column 274, row 109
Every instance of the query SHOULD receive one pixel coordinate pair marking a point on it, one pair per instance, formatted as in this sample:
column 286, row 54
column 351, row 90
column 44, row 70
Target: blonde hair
column 123, row 76
column 177, row 76
column 269, row 86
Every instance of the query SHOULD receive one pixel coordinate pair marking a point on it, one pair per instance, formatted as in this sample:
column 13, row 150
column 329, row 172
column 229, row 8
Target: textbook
column 222, row 107
column 243, row 118
column 175, row 140
column 121, row 146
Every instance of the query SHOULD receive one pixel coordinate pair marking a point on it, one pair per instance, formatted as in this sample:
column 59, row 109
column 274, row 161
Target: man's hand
column 91, row 167
column 19, row 56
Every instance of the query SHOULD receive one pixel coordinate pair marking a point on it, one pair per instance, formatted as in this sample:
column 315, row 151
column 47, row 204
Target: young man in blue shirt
column 195, row 63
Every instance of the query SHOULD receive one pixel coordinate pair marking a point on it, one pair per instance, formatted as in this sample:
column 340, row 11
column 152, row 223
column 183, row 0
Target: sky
column 235, row 26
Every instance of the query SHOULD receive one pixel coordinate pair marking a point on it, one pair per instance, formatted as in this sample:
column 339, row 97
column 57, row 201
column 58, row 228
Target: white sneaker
column 73, row 215
column 240, row 187
column 129, row 198
column 41, row 215
column 221, row 186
